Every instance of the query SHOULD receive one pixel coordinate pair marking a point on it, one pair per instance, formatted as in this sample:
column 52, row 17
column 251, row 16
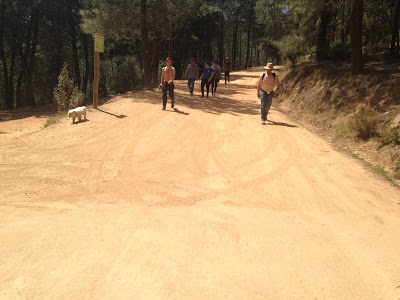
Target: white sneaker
column 263, row 122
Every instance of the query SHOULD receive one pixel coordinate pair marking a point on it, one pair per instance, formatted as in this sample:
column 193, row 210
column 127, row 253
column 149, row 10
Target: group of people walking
column 210, row 75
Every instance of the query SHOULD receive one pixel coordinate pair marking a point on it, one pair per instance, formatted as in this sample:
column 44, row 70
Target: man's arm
column 187, row 72
column 162, row 76
column 259, row 88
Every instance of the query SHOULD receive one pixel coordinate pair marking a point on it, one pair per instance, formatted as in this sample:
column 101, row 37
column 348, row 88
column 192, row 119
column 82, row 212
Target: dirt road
column 198, row 203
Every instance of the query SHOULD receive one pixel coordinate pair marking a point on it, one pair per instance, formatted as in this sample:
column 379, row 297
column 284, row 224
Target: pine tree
column 63, row 90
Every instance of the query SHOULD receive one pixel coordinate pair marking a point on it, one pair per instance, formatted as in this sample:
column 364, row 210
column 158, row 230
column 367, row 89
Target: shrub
column 342, row 131
column 389, row 136
column 335, row 96
column 291, row 47
column 364, row 124
column 127, row 77
column 53, row 120
column 63, row 90
column 77, row 98
column 339, row 51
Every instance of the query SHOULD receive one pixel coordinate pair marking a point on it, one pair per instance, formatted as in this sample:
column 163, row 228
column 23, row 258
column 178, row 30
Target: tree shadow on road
column 108, row 113
column 281, row 124
column 233, row 100
column 175, row 110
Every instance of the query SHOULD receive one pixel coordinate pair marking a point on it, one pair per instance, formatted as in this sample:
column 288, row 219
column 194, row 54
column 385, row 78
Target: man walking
column 206, row 78
column 228, row 68
column 192, row 74
column 268, row 85
column 167, row 82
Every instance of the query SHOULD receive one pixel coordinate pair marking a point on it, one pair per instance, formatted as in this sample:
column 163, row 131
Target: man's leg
column 263, row 106
column 189, row 83
column 171, row 95
column 164, row 94
column 212, row 87
column 208, row 87
column 215, row 87
column 192, row 85
column 268, row 104
column 203, row 82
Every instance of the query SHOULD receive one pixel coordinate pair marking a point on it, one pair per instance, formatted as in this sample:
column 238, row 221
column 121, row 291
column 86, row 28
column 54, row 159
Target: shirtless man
column 167, row 82
column 268, row 85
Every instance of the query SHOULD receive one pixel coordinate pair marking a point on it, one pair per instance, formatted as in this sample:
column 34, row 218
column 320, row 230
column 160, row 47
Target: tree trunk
column 145, row 45
column 356, row 37
column 221, row 35
column 234, row 43
column 322, row 46
column 395, row 27
column 240, row 49
column 8, row 80
column 250, row 25
column 75, row 54
column 87, row 63
column 155, row 62
column 29, row 95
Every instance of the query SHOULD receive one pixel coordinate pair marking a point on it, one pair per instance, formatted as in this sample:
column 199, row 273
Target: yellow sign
column 99, row 43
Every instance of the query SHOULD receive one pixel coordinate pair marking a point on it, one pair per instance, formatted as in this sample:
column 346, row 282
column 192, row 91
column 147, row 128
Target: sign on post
column 98, row 43
column 98, row 47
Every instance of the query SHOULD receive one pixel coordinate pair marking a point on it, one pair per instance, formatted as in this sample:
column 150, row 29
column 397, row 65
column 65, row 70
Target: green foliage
column 339, row 51
column 77, row 98
column 291, row 47
column 127, row 77
column 63, row 90
column 335, row 96
column 364, row 124
column 389, row 136
column 342, row 132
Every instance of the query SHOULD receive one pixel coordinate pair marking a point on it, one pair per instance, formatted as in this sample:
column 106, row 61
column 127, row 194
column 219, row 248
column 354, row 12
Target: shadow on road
column 179, row 111
column 281, row 124
column 111, row 114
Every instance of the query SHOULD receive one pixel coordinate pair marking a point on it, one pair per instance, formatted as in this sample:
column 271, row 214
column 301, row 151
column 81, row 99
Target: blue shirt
column 206, row 73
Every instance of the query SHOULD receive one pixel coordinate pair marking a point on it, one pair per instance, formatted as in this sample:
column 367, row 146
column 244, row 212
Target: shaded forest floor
column 357, row 113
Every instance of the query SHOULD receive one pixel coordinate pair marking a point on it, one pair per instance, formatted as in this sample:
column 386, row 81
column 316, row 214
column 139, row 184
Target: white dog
column 77, row 113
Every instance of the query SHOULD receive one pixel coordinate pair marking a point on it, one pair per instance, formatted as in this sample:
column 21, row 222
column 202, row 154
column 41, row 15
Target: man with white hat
column 268, row 85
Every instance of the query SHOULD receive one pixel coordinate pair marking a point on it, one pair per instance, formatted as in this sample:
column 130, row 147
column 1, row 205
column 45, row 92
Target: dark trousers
column 266, row 102
column 191, row 84
column 214, row 86
column 170, row 89
column 205, row 82
column 226, row 76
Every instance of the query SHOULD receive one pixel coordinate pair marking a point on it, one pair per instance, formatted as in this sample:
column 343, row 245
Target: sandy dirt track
column 198, row 203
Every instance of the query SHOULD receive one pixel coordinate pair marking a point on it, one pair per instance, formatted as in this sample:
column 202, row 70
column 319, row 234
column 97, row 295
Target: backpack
column 216, row 75
column 273, row 74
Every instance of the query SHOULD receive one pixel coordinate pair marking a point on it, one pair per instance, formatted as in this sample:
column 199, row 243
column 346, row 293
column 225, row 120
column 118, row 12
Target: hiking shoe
column 163, row 108
column 202, row 96
column 263, row 122
column 172, row 105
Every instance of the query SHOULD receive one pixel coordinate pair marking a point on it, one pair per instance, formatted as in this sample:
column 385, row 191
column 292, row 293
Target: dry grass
column 389, row 136
column 364, row 124
column 349, row 109
column 53, row 120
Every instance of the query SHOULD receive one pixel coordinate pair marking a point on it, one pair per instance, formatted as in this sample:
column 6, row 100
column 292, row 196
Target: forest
column 37, row 37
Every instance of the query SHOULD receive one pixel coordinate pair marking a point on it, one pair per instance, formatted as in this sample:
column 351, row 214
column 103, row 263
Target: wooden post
column 98, row 47
column 96, row 79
